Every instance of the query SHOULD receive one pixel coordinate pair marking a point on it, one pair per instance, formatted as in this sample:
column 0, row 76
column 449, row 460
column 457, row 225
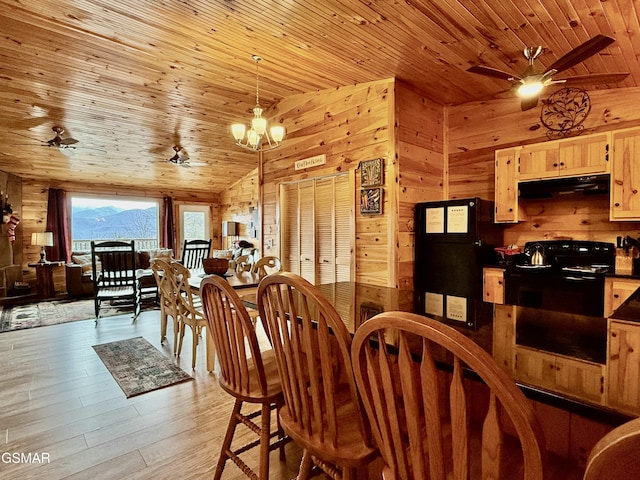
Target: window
column 110, row 219
column 195, row 222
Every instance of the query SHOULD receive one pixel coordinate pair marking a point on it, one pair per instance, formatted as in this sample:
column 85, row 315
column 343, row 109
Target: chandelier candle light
column 257, row 138
column 42, row 239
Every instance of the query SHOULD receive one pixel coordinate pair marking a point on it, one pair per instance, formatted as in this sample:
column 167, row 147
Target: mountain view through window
column 107, row 219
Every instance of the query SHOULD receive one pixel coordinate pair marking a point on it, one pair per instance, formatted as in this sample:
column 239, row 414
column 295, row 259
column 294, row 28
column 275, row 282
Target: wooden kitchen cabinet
column 493, row 285
column 506, row 185
column 623, row 366
column 625, row 175
column 504, row 336
column 587, row 155
column 575, row 377
column 616, row 291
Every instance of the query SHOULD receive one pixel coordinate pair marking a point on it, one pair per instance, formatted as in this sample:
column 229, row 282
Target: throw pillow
column 228, row 254
column 83, row 260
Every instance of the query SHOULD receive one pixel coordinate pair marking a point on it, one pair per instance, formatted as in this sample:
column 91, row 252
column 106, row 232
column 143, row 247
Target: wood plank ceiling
column 132, row 78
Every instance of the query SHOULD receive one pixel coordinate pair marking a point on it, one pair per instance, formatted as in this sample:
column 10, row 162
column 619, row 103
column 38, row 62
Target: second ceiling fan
column 530, row 84
column 181, row 157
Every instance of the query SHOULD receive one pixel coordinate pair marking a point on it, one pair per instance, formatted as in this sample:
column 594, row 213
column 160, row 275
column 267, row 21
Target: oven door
column 554, row 291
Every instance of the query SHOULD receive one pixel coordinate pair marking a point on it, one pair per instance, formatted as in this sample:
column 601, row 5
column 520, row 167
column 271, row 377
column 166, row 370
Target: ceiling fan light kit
column 532, row 82
column 258, row 138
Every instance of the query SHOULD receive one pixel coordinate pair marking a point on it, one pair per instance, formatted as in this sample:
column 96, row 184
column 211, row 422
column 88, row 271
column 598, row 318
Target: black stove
column 571, row 278
column 571, row 255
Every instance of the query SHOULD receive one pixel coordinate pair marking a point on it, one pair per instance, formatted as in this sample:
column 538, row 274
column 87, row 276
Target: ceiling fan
column 530, row 84
column 181, row 157
column 65, row 145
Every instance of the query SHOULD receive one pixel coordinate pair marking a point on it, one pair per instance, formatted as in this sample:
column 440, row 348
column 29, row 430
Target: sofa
column 79, row 273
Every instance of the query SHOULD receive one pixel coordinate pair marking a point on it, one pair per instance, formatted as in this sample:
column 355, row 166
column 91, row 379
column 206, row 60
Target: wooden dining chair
column 190, row 312
column 424, row 420
column 194, row 251
column 163, row 273
column 266, row 265
column 322, row 411
column 244, row 372
column 615, row 456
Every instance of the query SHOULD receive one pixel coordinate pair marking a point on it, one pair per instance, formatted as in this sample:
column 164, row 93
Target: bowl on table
column 216, row 266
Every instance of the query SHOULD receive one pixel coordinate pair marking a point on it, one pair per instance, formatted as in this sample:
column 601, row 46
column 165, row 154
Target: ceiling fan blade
column 26, row 136
column 593, row 79
column 529, row 103
column 582, row 52
column 492, row 72
column 68, row 141
column 91, row 150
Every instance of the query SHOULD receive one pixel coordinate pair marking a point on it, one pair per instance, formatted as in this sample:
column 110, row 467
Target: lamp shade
column 42, row 239
column 277, row 133
column 238, row 129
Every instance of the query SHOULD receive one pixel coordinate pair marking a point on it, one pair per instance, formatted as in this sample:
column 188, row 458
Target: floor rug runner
column 138, row 366
column 18, row 317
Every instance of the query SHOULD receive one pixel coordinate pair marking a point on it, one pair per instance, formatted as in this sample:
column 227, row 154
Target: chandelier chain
column 257, row 59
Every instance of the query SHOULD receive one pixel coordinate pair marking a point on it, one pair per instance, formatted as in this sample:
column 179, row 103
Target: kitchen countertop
column 630, row 309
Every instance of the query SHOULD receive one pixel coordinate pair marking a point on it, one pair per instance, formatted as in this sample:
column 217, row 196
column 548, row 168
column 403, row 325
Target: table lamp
column 42, row 239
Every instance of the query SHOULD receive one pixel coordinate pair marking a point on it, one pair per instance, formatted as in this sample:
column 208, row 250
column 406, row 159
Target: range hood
column 584, row 185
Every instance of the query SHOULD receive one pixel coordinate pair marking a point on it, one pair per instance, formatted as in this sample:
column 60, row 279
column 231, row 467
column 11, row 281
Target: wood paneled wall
column 382, row 119
column 349, row 124
column 241, row 204
column 420, row 135
column 477, row 129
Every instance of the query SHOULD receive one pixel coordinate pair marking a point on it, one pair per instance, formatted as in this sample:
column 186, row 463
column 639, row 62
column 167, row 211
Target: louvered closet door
column 290, row 228
column 325, row 231
column 343, row 207
column 321, row 211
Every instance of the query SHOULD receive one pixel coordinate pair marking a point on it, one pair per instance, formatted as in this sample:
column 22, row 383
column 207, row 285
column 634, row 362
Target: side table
column 44, row 278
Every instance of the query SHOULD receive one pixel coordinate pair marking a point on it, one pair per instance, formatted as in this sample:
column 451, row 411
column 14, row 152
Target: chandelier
column 257, row 138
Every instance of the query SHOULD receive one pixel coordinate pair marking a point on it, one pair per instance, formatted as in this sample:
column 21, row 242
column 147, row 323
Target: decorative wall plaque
column 564, row 112
column 371, row 201
column 371, row 173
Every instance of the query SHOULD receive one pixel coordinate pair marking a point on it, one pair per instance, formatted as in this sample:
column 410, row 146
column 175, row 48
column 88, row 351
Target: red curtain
column 168, row 226
column 58, row 224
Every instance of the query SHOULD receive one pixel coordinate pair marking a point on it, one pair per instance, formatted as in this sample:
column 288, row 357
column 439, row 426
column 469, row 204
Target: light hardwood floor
column 58, row 399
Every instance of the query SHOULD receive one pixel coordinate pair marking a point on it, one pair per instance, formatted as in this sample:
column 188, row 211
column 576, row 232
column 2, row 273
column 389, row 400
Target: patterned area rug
column 18, row 317
column 138, row 366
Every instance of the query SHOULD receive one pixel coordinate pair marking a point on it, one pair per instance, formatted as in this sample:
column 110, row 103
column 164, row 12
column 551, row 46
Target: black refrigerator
column 454, row 240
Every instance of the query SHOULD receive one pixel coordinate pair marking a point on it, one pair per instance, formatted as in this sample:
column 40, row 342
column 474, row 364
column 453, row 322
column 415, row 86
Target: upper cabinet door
column 588, row 155
column 539, row 160
column 506, row 186
column 625, row 175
